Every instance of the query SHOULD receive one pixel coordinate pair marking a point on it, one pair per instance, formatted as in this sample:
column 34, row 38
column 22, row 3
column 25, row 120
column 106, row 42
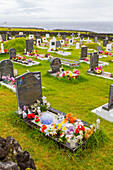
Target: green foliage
column 92, row 45
column 17, row 43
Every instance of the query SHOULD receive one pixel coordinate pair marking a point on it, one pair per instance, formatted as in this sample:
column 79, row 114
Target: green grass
column 69, row 97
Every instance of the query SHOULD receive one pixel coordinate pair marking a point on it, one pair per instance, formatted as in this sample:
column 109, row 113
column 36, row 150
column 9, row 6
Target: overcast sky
column 24, row 11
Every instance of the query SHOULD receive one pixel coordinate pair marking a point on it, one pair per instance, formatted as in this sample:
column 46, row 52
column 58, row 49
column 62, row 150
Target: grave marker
column 95, row 39
column 99, row 48
column 94, row 60
column 29, row 46
column 83, row 52
column 4, row 37
column 105, row 42
column 12, row 53
column 58, row 44
column 29, row 89
column 6, row 68
column 63, row 37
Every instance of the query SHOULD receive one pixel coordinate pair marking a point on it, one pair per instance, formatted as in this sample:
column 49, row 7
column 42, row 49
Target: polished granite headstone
column 6, row 68
column 83, row 52
column 28, row 88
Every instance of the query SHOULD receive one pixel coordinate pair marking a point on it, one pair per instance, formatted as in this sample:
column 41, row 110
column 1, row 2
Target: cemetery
column 75, row 125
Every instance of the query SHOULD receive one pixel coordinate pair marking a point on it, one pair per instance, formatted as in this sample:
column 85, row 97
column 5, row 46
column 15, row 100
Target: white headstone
column 71, row 42
column 0, row 38
column 108, row 48
column 62, row 42
column 38, row 42
column 44, row 40
column 77, row 45
column 31, row 36
column 20, row 33
column 47, row 35
column 2, row 48
column 52, row 44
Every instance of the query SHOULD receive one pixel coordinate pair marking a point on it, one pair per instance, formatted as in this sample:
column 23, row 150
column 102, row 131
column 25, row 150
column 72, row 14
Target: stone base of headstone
column 105, row 75
column 104, row 112
column 8, row 165
column 50, row 72
column 82, row 58
column 8, row 86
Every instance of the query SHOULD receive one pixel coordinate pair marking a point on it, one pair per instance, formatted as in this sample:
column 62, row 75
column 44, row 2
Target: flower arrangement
column 65, row 45
column 30, row 60
column 5, row 50
column 111, row 75
column 86, row 59
column 8, row 80
column 98, row 70
column 70, row 75
column 23, row 58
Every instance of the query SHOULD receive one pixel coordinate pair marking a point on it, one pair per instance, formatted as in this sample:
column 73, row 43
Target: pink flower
column 63, row 74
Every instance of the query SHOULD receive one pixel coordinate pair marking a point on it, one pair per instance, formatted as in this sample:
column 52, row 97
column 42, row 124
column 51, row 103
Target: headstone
column 12, row 53
column 99, row 48
column 55, row 65
column 0, row 38
column 29, row 46
column 6, row 68
column 95, row 39
column 105, row 42
column 78, row 34
column 63, row 37
column 47, row 35
column 58, row 35
column 52, row 44
column 82, row 38
column 37, row 36
column 29, row 89
column 109, row 106
column 38, row 42
column 77, row 45
column 4, row 37
column 108, row 48
column 20, row 33
column 44, row 40
column 2, row 48
column 94, row 60
column 106, row 38
column 83, row 52
column 70, row 42
column 72, row 34
column 31, row 36
column 58, row 44
column 62, row 42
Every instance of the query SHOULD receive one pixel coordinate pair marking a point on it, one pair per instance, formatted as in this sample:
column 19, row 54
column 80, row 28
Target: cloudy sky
column 24, row 11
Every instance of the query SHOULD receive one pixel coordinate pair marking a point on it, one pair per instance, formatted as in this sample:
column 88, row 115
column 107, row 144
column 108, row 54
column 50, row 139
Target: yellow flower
column 62, row 122
column 64, row 128
column 59, row 126
column 70, row 74
column 98, row 71
column 54, row 126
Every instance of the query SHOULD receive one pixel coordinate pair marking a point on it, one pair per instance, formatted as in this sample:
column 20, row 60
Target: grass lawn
column 78, row 98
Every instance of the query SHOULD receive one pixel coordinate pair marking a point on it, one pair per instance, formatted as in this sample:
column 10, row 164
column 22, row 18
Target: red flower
column 44, row 127
column 30, row 116
column 22, row 77
column 77, row 130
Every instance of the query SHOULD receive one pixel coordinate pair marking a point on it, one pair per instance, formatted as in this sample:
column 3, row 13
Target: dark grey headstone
column 63, row 37
column 81, row 37
column 29, row 46
column 95, row 39
column 12, row 53
column 105, row 42
column 55, row 65
column 94, row 60
column 37, row 36
column 6, row 68
column 99, row 48
column 72, row 34
column 28, row 88
column 109, row 106
column 83, row 52
column 58, row 44
column 4, row 37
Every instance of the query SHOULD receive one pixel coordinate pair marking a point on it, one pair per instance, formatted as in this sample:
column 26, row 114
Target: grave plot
column 69, row 132
column 106, row 111
column 21, row 60
column 70, row 63
column 103, row 54
column 7, row 75
column 96, row 70
column 39, row 56
column 57, row 71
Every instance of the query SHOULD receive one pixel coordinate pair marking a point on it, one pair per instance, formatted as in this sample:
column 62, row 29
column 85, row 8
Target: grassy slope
column 79, row 99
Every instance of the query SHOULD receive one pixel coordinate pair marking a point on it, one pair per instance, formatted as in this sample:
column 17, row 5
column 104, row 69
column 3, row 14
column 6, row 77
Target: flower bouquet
column 98, row 70
column 111, row 75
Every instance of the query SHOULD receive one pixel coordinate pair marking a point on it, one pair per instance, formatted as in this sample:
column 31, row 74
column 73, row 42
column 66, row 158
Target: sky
column 24, row 11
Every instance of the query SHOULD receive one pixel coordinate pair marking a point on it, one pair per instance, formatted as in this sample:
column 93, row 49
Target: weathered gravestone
column 81, row 37
column 37, row 36
column 93, row 61
column 6, row 68
column 109, row 106
column 55, row 65
column 83, row 52
column 95, row 39
column 105, row 42
column 12, row 53
column 99, row 48
column 63, row 37
column 29, row 46
column 58, row 44
column 4, row 37
column 28, row 88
